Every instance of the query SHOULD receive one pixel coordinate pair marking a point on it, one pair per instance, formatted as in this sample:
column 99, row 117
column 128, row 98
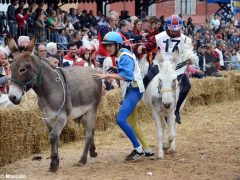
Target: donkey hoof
column 160, row 158
column 54, row 164
column 80, row 164
column 165, row 145
column 171, row 151
column 93, row 154
column 53, row 167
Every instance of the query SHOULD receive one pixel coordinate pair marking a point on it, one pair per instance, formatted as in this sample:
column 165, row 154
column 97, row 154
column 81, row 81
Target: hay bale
column 213, row 90
column 108, row 108
column 22, row 133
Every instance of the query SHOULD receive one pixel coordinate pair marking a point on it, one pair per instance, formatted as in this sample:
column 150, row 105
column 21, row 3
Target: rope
column 58, row 79
column 172, row 90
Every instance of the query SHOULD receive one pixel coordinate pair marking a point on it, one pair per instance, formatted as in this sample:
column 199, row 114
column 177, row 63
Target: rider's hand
column 200, row 71
column 144, row 34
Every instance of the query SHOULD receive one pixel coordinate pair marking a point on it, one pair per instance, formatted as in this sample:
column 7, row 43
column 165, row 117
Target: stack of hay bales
column 213, row 90
column 23, row 133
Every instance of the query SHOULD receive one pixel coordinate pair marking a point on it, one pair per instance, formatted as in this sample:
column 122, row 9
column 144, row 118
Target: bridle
column 177, row 86
column 167, row 90
column 36, row 80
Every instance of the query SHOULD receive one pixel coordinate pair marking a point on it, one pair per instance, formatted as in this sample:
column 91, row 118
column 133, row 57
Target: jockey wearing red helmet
column 168, row 41
column 174, row 24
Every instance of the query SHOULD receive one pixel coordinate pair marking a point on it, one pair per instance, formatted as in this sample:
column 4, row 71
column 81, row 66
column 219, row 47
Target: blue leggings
column 131, row 99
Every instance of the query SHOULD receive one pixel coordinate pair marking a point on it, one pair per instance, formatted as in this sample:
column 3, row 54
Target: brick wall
column 165, row 8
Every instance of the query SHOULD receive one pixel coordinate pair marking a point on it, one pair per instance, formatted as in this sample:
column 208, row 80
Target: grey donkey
column 62, row 94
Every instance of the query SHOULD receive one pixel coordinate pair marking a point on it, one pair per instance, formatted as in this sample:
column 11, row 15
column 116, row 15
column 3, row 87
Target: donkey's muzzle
column 167, row 105
column 14, row 99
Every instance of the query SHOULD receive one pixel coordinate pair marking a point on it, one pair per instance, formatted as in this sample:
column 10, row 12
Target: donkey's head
column 24, row 69
column 167, row 79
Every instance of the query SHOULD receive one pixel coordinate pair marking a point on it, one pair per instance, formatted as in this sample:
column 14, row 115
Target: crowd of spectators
column 74, row 37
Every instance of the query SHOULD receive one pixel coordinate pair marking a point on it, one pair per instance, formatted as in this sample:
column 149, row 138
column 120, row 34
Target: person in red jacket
column 21, row 22
column 71, row 56
column 102, row 30
column 168, row 41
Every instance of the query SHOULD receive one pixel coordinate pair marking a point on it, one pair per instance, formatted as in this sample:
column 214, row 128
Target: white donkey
column 161, row 97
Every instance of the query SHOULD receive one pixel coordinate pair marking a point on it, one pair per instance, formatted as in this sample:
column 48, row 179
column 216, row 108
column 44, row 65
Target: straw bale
column 23, row 133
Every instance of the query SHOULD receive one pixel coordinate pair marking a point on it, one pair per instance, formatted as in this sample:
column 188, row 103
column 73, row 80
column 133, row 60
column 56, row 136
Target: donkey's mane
column 36, row 59
column 166, row 66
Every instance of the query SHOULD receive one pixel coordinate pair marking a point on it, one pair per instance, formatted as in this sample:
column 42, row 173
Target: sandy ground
column 208, row 147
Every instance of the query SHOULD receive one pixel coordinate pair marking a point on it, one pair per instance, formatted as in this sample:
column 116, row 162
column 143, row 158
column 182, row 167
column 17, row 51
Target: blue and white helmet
column 174, row 23
column 112, row 38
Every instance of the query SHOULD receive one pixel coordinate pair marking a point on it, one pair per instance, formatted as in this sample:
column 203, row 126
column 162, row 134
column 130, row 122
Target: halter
column 58, row 79
column 167, row 90
column 172, row 90
column 36, row 80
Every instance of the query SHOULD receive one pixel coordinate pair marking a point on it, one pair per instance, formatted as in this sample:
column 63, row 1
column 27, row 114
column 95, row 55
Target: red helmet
column 83, row 50
column 174, row 23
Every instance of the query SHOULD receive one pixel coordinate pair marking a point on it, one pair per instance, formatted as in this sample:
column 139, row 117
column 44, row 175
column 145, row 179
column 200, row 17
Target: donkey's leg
column 92, row 149
column 90, row 121
column 171, row 125
column 172, row 147
column 54, row 135
column 159, row 129
column 165, row 139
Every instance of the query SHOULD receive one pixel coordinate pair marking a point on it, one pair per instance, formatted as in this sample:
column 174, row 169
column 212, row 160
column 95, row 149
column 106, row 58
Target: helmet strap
column 117, row 47
column 169, row 34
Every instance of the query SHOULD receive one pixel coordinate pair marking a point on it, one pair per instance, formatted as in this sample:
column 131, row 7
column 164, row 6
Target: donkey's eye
column 159, row 83
column 174, row 84
column 22, row 70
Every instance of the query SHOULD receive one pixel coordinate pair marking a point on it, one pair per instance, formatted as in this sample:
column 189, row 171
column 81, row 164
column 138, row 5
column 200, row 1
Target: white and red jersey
column 167, row 46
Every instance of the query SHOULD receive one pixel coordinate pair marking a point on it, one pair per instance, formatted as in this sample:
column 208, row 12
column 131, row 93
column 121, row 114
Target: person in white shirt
column 219, row 49
column 216, row 22
column 168, row 41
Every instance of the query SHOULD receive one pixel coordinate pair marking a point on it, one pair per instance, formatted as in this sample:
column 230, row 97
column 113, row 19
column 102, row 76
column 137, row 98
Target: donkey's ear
column 12, row 46
column 159, row 56
column 175, row 55
column 30, row 47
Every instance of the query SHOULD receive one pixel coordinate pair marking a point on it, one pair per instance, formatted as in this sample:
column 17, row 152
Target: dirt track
column 208, row 147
